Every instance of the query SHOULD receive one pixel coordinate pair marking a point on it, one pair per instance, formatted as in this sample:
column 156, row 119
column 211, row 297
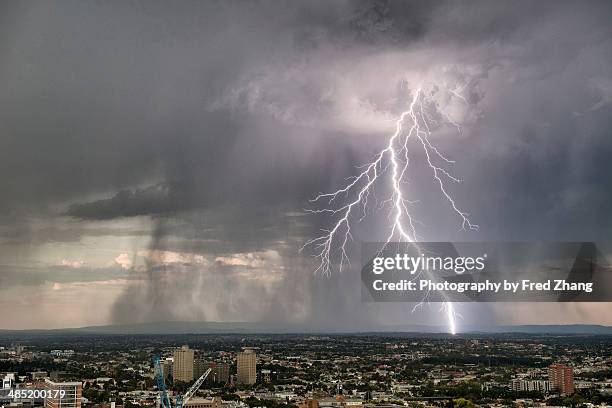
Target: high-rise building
column 222, row 373
column 167, row 364
column 219, row 373
column 247, row 366
column 72, row 394
column 199, row 367
column 182, row 367
column 561, row 378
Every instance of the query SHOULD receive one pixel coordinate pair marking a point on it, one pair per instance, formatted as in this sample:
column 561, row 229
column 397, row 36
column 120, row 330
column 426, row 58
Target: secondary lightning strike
column 395, row 156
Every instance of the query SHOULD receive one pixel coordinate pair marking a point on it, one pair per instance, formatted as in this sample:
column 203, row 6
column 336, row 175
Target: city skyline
column 306, row 371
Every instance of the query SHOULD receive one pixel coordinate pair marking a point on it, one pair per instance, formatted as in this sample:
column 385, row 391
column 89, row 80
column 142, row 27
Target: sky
column 157, row 160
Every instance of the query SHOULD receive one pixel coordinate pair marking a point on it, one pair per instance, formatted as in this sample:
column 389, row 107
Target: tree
column 463, row 403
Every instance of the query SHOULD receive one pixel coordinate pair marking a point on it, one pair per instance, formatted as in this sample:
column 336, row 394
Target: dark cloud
column 217, row 121
column 158, row 199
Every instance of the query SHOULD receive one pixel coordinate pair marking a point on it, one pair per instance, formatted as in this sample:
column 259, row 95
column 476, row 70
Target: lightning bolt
column 391, row 164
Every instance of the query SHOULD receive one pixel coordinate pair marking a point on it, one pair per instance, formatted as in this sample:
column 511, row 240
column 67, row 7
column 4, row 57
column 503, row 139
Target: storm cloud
column 205, row 128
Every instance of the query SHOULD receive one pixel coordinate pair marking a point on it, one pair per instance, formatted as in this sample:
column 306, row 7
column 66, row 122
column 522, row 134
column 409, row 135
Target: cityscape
column 306, row 371
column 306, row 204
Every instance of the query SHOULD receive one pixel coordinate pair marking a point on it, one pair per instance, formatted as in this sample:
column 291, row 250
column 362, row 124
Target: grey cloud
column 39, row 275
column 68, row 233
column 151, row 200
column 233, row 113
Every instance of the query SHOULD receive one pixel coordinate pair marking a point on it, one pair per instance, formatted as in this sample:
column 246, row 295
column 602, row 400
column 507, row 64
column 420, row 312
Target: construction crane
column 180, row 399
column 161, row 384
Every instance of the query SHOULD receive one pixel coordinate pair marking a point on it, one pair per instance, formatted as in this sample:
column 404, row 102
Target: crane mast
column 161, row 384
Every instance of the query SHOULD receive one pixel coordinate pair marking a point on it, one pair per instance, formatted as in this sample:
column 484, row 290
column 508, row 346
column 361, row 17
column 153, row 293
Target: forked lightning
column 389, row 165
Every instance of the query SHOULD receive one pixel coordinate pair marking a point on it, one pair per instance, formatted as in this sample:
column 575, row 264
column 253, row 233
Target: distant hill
column 550, row 329
column 186, row 327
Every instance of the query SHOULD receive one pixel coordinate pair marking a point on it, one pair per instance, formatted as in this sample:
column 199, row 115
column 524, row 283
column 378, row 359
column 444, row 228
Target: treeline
column 493, row 361
column 24, row 367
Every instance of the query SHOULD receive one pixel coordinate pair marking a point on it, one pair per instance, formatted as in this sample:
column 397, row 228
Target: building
column 561, row 378
column 199, row 367
column 182, row 368
column 531, row 385
column 61, row 353
column 219, row 373
column 266, row 376
column 330, row 402
column 222, row 373
column 8, row 381
column 72, row 397
column 166, row 366
column 59, row 376
column 38, row 375
column 197, row 402
column 309, row 403
column 247, row 366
